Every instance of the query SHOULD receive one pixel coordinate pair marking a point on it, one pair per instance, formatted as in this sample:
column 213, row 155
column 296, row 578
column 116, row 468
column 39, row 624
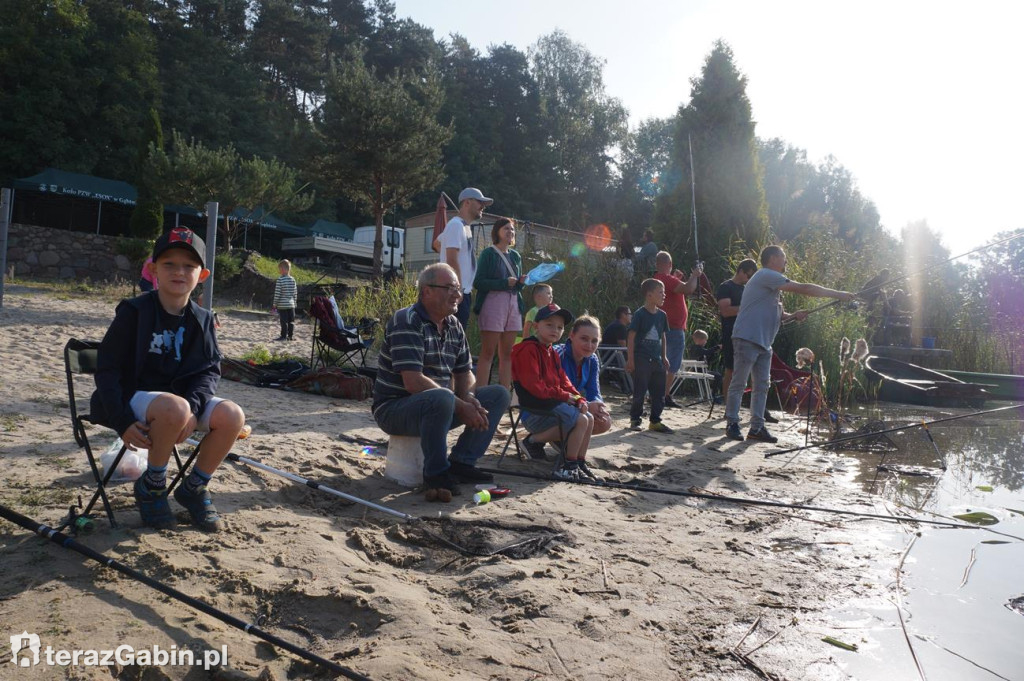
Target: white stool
column 405, row 461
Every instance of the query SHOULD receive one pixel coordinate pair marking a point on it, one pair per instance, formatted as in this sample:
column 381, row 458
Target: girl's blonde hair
column 586, row 320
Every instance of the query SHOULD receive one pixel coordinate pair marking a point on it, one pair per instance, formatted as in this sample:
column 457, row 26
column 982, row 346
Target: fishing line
column 67, row 542
column 742, row 501
column 908, row 426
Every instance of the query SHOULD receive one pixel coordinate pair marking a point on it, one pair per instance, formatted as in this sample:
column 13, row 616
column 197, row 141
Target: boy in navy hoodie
column 157, row 371
column 543, row 385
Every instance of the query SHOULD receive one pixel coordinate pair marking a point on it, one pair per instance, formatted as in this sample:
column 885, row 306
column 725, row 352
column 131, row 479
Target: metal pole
column 211, row 252
column 99, row 216
column 5, row 218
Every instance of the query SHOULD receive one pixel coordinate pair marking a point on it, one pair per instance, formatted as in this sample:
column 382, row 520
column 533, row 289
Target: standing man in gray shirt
column 761, row 314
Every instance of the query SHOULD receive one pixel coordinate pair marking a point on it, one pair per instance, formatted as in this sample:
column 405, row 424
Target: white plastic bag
column 131, row 466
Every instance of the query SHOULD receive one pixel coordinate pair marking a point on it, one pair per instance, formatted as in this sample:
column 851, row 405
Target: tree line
column 370, row 112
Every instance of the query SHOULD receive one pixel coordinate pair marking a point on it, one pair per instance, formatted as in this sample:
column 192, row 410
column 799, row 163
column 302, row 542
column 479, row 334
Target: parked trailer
column 354, row 254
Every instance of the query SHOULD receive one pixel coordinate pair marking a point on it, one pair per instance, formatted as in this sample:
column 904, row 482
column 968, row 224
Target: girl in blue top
column 581, row 365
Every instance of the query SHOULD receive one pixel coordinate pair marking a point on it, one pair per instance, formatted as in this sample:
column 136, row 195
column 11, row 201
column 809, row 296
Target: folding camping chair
column 514, row 436
column 697, row 370
column 80, row 358
column 613, row 366
column 329, row 338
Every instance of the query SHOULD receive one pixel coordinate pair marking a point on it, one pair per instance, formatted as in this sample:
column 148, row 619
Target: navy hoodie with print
column 122, row 357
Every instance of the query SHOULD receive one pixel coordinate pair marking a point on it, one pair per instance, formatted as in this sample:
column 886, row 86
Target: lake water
column 959, row 587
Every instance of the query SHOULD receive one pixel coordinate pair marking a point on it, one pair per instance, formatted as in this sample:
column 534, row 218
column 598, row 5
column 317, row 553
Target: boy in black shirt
column 157, row 371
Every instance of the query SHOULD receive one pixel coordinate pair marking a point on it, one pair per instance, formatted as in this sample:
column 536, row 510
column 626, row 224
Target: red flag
column 440, row 220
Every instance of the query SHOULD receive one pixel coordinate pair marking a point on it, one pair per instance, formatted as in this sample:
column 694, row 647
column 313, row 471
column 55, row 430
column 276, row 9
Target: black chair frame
column 80, row 357
column 515, row 419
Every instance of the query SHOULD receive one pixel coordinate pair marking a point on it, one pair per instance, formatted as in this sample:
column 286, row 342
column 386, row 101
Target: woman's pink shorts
column 500, row 312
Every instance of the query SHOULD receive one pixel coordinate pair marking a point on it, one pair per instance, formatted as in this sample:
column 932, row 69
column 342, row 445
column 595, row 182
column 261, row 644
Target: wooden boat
column 902, row 382
column 998, row 386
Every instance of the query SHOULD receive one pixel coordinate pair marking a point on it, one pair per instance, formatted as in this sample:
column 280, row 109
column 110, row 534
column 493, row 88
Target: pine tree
column 147, row 221
column 730, row 200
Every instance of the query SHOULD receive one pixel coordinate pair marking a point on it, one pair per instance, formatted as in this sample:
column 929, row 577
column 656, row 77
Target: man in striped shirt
column 425, row 384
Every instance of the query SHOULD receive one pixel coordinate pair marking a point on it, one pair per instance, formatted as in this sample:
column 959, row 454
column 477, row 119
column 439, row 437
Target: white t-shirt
column 457, row 234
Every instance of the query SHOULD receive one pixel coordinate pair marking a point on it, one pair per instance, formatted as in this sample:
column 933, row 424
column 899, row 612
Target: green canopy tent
column 52, row 183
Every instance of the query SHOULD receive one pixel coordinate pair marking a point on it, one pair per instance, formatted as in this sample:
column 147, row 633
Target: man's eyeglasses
column 451, row 288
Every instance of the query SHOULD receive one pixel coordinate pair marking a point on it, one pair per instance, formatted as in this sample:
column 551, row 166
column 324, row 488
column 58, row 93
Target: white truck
column 354, row 254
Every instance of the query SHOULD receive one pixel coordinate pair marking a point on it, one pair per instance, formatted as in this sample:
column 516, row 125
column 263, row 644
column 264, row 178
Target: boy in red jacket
column 543, row 385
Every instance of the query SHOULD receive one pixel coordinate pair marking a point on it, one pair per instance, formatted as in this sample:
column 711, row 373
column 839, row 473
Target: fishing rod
column 738, row 500
column 908, row 426
column 693, row 204
column 383, row 509
column 66, row 542
column 893, row 280
column 313, row 484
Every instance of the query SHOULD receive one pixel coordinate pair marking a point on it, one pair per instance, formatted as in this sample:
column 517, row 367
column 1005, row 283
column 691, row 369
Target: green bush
column 227, row 266
column 136, row 250
column 147, row 220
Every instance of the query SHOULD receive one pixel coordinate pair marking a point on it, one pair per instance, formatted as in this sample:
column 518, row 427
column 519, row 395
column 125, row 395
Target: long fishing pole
column 693, row 202
column 317, row 486
column 66, row 542
column 908, row 426
column 737, row 500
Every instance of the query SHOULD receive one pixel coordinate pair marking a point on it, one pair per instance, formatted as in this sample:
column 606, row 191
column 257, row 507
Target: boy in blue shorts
column 157, row 371
column 537, row 369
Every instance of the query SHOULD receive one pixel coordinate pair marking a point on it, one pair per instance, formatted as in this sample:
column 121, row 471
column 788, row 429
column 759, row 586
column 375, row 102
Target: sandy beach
column 640, row 585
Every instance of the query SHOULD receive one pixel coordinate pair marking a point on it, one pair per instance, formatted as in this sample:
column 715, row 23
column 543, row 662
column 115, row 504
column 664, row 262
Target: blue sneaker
column 732, row 431
column 200, row 508
column 153, row 506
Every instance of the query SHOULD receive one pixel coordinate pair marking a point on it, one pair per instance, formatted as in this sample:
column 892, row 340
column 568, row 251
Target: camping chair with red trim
column 80, row 358
column 335, row 345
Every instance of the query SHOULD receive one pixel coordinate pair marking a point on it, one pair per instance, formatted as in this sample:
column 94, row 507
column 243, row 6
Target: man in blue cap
column 457, row 248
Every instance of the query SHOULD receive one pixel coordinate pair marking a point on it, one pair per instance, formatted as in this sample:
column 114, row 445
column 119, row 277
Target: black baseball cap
column 553, row 310
column 181, row 237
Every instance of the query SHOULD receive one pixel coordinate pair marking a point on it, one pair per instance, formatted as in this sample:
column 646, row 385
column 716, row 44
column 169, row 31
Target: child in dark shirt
column 700, row 350
column 617, row 332
column 157, row 371
column 646, row 356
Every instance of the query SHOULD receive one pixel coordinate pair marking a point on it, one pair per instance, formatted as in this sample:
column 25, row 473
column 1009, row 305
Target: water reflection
column 959, row 586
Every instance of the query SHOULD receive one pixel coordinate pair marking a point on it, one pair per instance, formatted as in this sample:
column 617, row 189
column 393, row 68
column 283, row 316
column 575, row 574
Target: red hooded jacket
column 538, row 370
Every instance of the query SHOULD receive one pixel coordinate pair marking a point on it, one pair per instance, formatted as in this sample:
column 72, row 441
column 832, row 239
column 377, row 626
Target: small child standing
column 285, row 292
column 543, row 295
column 646, row 356
column 156, row 374
column 543, row 385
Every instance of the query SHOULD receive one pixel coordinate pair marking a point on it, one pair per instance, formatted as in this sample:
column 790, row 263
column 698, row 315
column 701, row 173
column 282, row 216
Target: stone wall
column 44, row 253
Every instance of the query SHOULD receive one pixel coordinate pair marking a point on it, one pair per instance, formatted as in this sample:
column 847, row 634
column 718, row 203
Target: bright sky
column 921, row 101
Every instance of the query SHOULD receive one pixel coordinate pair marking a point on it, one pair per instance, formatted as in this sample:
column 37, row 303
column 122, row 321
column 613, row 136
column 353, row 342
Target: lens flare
column 577, row 249
column 597, row 237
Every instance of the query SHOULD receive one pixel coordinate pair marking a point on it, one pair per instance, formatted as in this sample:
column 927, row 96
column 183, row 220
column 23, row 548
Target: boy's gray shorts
column 141, row 400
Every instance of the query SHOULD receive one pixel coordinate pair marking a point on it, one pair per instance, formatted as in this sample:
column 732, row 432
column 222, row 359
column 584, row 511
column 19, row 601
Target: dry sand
column 648, row 586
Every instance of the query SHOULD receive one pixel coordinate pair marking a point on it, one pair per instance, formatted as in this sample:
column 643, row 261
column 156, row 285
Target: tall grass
column 378, row 300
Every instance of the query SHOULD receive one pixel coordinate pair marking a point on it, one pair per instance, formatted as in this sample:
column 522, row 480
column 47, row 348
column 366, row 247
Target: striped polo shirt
column 414, row 343
column 285, row 292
